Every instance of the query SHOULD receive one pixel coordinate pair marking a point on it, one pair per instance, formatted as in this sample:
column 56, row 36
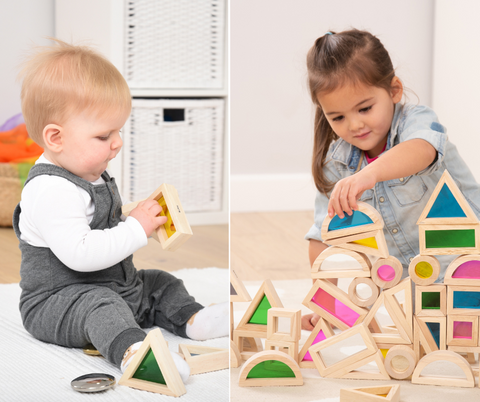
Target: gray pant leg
column 166, row 302
column 83, row 314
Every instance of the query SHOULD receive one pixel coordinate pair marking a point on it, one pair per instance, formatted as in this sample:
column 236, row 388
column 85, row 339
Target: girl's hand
column 309, row 321
column 347, row 191
column 146, row 213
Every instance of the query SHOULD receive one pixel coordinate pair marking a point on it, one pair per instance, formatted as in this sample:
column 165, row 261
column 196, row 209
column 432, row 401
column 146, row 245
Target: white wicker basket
column 187, row 153
column 174, row 43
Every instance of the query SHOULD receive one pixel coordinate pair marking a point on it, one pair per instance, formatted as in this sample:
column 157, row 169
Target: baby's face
column 90, row 142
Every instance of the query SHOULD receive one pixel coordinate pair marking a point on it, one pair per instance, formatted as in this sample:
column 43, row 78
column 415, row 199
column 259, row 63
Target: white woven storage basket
column 174, row 43
column 186, row 153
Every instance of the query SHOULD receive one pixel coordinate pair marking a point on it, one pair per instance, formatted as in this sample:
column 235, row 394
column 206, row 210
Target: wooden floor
column 270, row 245
column 208, row 247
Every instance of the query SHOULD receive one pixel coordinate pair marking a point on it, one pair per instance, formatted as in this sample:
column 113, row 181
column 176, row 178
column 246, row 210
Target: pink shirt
column 370, row 160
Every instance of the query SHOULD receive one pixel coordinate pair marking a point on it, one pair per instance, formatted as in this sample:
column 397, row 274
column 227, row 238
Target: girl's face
column 362, row 114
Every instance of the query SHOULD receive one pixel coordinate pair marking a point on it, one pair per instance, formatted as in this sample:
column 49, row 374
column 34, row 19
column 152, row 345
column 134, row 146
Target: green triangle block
column 271, row 369
column 261, row 313
column 148, row 370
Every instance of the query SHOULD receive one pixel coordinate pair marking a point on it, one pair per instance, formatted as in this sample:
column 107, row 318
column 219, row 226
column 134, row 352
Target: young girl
column 368, row 145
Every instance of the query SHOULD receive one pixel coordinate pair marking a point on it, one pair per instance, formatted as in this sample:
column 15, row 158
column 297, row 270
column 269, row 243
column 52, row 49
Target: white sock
column 182, row 365
column 210, row 322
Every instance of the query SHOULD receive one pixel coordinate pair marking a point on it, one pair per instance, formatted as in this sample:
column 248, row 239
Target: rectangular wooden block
column 463, row 300
column 334, row 305
column 431, row 301
column 449, row 239
column 430, row 334
column 273, row 333
column 462, row 330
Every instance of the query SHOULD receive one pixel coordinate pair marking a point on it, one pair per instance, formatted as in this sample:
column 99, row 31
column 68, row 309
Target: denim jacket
column 401, row 201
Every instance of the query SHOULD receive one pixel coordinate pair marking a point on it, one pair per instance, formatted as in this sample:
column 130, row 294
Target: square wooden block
column 273, row 333
column 462, row 330
column 431, row 301
column 288, row 347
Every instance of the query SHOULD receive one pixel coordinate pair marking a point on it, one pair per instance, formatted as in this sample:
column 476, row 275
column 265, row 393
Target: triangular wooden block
column 153, row 369
column 337, row 262
column 397, row 335
column 385, row 393
column 270, row 368
column 238, row 292
column 404, row 312
column 447, row 205
column 203, row 359
column 430, row 334
column 365, row 219
column 320, row 332
column 372, row 243
column 256, row 317
column 357, row 372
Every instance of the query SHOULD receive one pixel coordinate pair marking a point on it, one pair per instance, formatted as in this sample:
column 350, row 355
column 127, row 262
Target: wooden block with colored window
column 431, row 301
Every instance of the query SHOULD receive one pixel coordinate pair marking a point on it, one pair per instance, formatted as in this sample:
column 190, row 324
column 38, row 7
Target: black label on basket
column 173, row 115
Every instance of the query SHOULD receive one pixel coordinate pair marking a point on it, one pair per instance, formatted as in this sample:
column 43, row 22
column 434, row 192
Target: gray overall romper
column 107, row 308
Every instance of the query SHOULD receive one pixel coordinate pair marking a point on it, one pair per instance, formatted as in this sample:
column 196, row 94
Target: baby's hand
column 309, row 321
column 146, row 213
column 346, row 193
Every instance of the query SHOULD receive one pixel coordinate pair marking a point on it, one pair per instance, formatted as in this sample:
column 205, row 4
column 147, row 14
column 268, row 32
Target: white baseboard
column 271, row 192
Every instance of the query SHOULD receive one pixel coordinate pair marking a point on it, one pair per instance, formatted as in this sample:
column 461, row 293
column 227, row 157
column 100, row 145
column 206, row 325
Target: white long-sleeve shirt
column 56, row 214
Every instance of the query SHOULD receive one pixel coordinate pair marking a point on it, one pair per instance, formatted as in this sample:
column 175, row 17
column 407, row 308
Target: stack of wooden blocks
column 445, row 324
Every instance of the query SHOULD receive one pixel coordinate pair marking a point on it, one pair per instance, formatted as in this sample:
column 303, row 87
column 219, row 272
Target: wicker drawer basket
column 179, row 142
column 174, row 43
column 10, row 192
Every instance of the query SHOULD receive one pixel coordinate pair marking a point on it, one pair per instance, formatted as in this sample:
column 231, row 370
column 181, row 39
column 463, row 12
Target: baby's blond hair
column 65, row 79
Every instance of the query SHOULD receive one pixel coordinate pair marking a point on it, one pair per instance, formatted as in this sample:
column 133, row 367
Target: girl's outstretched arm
column 404, row 159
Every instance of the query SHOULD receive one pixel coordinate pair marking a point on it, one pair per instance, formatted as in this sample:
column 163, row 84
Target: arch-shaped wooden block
column 446, row 355
column 361, row 259
column 365, row 210
column 270, row 368
column 386, row 272
column 464, row 270
column 424, row 270
column 353, row 294
column 400, row 362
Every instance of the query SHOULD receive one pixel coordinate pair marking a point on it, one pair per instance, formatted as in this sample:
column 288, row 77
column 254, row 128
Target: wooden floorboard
column 270, row 245
column 208, row 247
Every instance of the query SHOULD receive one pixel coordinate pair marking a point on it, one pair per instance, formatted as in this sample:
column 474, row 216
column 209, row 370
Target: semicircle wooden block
column 424, row 270
column 270, row 368
column 365, row 219
column 464, row 270
column 445, row 355
column 372, row 243
column 360, row 264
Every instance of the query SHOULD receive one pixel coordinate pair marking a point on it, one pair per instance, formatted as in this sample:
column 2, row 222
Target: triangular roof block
column 385, row 393
column 153, row 369
column 255, row 318
column 447, row 205
column 238, row 292
column 365, row 219
column 270, row 368
column 203, row 359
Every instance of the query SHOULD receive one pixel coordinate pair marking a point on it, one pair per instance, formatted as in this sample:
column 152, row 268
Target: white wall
column 271, row 113
column 457, row 76
column 23, row 23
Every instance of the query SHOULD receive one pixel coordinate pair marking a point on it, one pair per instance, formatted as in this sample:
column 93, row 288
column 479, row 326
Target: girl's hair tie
column 328, row 33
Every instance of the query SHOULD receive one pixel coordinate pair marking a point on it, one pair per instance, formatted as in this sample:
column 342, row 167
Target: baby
column 79, row 284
